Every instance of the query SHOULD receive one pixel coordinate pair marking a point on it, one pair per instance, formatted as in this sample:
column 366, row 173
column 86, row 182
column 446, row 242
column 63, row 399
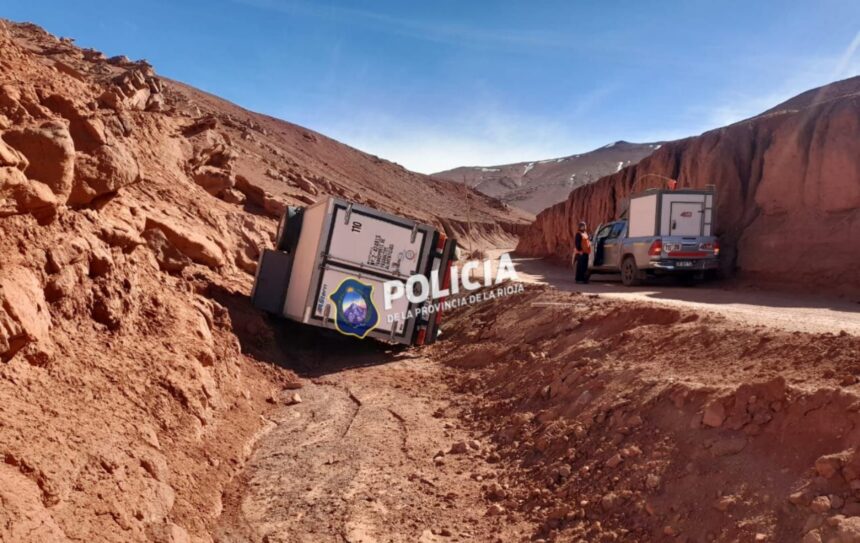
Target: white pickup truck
column 331, row 260
column 663, row 232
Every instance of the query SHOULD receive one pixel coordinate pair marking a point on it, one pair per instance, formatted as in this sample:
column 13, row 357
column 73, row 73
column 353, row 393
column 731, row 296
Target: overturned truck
column 330, row 263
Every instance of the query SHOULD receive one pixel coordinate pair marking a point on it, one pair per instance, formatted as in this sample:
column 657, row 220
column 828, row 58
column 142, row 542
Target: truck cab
column 664, row 232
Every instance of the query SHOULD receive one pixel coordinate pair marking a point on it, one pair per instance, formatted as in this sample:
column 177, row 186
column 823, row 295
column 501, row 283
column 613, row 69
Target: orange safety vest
column 585, row 243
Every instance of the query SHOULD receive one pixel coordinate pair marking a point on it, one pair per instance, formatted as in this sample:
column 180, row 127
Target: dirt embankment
column 636, row 422
column 788, row 191
column 132, row 213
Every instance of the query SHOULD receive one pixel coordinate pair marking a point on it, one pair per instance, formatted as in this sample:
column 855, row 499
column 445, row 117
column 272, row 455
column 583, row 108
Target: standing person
column 581, row 250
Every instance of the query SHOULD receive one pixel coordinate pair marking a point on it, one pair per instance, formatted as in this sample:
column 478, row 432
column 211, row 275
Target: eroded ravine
column 356, row 461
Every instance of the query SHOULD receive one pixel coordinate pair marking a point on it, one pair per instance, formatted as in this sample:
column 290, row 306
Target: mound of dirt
column 788, row 191
column 635, row 422
column 134, row 375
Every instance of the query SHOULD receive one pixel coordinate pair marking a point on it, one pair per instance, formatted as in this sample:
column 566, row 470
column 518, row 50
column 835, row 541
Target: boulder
column 24, row 316
column 10, row 157
column 305, row 184
column 19, row 195
column 72, row 251
column 213, row 180
column 848, row 530
column 273, row 206
column 195, row 246
column 169, row 258
column 258, row 196
column 829, row 465
column 87, row 131
column 715, row 414
column 155, row 103
column 50, row 152
column 232, row 196
column 105, row 171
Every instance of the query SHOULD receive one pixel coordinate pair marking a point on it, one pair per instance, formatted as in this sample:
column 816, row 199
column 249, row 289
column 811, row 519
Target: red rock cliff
column 788, row 191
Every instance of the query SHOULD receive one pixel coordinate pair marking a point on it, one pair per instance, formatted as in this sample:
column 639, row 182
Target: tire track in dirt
column 355, row 462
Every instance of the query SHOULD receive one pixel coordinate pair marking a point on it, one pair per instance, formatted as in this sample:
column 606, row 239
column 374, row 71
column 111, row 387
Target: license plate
column 684, row 264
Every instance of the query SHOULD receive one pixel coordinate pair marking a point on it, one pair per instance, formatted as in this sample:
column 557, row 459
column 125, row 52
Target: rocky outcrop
column 788, row 193
column 104, row 171
column 192, row 244
column 50, row 154
column 24, row 316
column 136, row 88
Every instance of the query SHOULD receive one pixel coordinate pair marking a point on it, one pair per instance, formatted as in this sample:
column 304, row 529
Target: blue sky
column 433, row 85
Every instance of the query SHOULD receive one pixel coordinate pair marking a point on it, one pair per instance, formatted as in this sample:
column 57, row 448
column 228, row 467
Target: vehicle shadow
column 308, row 351
column 718, row 292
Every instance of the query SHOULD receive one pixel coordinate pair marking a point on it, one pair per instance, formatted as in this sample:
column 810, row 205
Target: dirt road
column 401, row 445
column 366, row 457
column 786, row 311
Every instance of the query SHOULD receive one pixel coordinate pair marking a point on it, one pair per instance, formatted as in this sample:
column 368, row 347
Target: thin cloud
column 436, row 32
column 848, row 62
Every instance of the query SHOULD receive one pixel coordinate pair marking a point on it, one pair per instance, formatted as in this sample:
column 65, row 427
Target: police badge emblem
column 356, row 313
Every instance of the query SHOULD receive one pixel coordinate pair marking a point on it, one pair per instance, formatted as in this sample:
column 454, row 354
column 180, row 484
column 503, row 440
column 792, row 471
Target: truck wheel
column 630, row 275
column 687, row 279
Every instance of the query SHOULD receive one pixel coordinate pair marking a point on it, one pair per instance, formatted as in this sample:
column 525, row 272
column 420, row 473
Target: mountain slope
column 788, row 191
column 297, row 164
column 534, row 186
column 134, row 374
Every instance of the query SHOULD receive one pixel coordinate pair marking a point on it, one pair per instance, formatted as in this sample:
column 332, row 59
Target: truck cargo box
column 343, row 254
column 685, row 212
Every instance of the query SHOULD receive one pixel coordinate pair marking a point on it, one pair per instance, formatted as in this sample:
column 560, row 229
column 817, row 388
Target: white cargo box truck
column 663, row 232
column 331, row 260
column 671, row 213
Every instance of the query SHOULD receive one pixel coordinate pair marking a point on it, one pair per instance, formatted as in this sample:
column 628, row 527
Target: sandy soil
column 792, row 311
column 378, row 449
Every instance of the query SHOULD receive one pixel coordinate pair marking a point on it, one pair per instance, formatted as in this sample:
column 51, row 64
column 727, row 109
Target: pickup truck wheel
column 630, row 275
column 687, row 279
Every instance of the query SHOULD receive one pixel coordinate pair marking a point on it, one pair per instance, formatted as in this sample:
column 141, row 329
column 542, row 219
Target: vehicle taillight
column 656, row 248
column 440, row 245
column 716, row 247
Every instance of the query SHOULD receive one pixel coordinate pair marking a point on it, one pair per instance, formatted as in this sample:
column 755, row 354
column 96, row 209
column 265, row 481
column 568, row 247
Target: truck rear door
column 333, row 276
column 373, row 247
column 372, row 242
column 686, row 218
